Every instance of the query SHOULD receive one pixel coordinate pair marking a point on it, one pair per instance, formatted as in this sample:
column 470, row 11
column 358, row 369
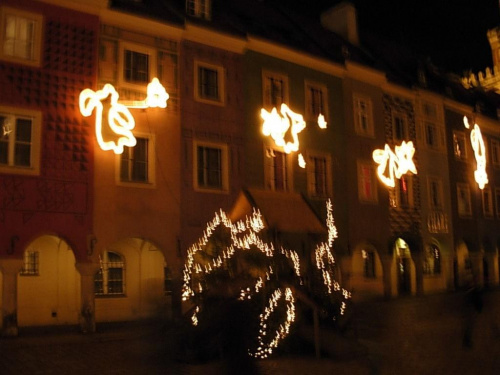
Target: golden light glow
column 321, row 121
column 120, row 120
column 276, row 126
column 302, row 162
column 394, row 164
column 477, row 142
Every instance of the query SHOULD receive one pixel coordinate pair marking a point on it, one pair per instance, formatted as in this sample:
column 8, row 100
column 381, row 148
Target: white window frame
column 459, row 145
column 271, row 153
column 363, row 113
column 221, row 91
column 373, row 198
column 37, row 19
column 495, row 153
column 199, row 8
column 151, row 182
column 224, row 188
column 487, row 200
column 36, row 124
column 310, row 114
column 311, row 175
column 404, row 119
column 465, row 189
column 439, row 185
column 267, row 76
column 31, row 263
column 150, row 51
column 105, row 266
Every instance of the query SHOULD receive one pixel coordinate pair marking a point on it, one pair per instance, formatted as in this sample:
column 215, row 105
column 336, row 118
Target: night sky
column 451, row 32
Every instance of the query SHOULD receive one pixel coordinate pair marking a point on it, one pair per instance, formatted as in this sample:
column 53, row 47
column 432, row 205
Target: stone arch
column 434, row 266
column 367, row 274
column 48, row 285
column 403, row 271
column 462, row 265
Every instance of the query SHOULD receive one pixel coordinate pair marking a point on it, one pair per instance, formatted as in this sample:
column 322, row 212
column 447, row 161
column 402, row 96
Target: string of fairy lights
column 245, row 235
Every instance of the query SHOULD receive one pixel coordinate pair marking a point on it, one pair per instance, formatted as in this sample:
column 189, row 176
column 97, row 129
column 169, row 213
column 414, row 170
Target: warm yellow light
column 321, row 121
column 395, row 163
column 477, row 142
column 276, row 126
column 302, row 162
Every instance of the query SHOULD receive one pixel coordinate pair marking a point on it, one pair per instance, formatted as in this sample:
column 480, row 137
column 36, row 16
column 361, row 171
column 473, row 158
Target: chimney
column 342, row 19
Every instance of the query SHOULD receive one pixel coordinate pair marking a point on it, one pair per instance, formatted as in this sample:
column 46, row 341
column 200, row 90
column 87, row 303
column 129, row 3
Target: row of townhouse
column 94, row 227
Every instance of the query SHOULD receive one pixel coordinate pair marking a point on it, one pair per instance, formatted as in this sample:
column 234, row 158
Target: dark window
column 209, row 167
column 136, row 67
column 134, row 162
column 208, row 83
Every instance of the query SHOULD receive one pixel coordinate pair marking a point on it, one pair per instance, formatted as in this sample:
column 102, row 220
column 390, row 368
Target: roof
column 285, row 212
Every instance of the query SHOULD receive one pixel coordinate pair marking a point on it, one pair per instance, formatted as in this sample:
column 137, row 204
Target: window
column 316, row 101
column 459, row 145
column 463, row 198
column 209, row 83
column 432, row 260
column 20, row 36
column 495, row 153
column 402, row 194
column 363, row 117
column 399, row 127
column 138, row 66
column 110, row 279
column 497, row 200
column 30, row 263
column 198, row 8
column 435, row 193
column 19, row 141
column 367, row 187
column 275, row 88
column 277, row 170
column 487, row 202
column 431, row 126
column 137, row 163
column 211, row 166
column 318, row 168
column 368, row 264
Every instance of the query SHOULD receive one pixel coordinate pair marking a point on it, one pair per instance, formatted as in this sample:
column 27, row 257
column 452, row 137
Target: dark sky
column 451, row 32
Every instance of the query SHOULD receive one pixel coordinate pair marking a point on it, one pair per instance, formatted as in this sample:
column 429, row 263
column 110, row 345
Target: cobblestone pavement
column 419, row 335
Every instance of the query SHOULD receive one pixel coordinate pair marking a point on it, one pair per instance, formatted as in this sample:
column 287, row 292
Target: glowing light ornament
column 120, row 120
column 321, row 121
column 276, row 126
column 302, row 162
column 477, row 142
column 396, row 163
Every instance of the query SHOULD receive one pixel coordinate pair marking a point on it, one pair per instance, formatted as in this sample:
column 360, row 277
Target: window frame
column 432, row 119
column 436, row 269
column 440, row 196
column 488, row 210
column 31, row 263
column 37, row 36
column 195, row 8
column 151, row 169
column 267, row 101
column 495, row 153
column 398, row 194
column 465, row 188
column 105, row 279
column 373, row 198
column 309, row 110
column 369, row 264
column 459, row 136
column 152, row 71
column 311, row 175
column 221, row 83
column 270, row 169
column 35, row 145
column 396, row 115
column 358, row 114
column 224, row 167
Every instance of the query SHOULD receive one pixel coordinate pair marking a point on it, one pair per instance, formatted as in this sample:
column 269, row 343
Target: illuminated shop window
column 211, row 166
column 316, row 101
column 198, row 8
column 134, row 162
column 367, row 184
column 368, row 264
column 110, row 279
column 495, row 153
column 137, row 66
column 487, row 199
column 399, row 127
column 363, row 116
column 19, row 141
column 277, row 170
column 209, row 83
column 318, row 168
column 432, row 260
column 463, row 200
column 31, row 263
column 20, row 36
column 435, row 193
column 497, row 201
column 459, row 145
column 275, row 89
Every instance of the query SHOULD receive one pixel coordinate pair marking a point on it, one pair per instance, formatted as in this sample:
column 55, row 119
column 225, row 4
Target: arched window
column 368, row 263
column 110, row 279
column 432, row 260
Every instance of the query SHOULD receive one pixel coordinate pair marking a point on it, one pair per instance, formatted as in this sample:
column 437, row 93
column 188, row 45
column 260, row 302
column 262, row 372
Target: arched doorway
column 367, row 279
column 462, row 266
column 48, row 284
column 433, row 268
column 403, row 269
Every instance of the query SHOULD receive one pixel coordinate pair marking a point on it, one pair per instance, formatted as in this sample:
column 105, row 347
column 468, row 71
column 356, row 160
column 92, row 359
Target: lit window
column 432, row 260
column 198, row 8
column 277, row 170
column 20, row 36
column 318, row 175
column 211, row 166
column 19, row 141
column 435, row 193
column 463, row 198
column 487, row 202
column 368, row 264
column 316, row 101
column 459, row 144
column 495, row 153
column 367, row 186
column 399, row 127
column 363, row 117
column 110, row 279
column 275, row 88
column 30, row 263
column 209, row 83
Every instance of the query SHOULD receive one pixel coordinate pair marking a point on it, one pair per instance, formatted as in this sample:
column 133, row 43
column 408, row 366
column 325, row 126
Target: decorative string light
column 302, row 162
column 477, row 142
column 396, row 163
column 321, row 121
